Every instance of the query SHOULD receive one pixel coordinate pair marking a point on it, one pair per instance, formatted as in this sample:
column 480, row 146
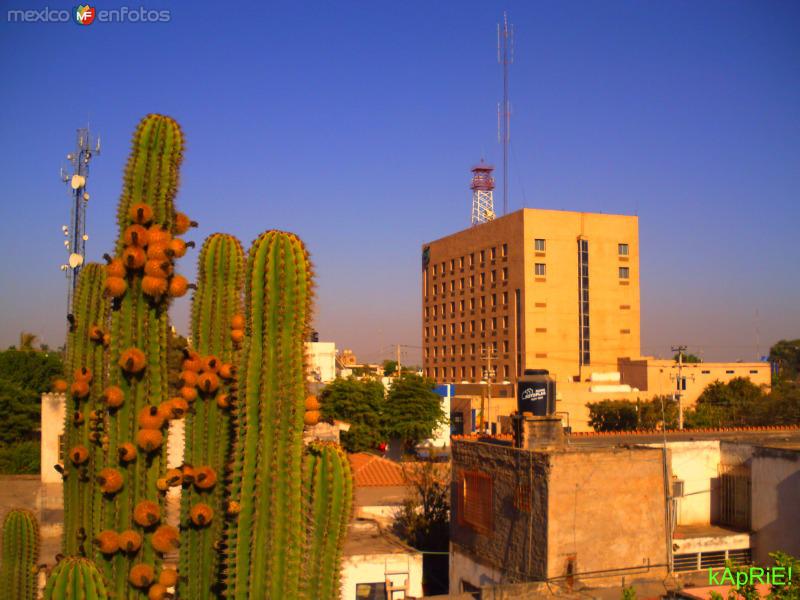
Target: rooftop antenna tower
column 505, row 56
column 75, row 233
column 482, row 193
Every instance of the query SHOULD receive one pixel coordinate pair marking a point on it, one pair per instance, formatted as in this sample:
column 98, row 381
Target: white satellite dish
column 78, row 181
column 75, row 260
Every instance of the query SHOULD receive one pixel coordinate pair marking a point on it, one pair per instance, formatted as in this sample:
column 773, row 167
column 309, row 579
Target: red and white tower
column 482, row 193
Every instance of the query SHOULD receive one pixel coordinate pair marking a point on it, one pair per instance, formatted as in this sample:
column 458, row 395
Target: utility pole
column 680, row 350
column 398, row 359
column 488, row 353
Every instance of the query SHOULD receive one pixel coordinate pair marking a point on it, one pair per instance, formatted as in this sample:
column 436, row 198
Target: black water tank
column 536, row 393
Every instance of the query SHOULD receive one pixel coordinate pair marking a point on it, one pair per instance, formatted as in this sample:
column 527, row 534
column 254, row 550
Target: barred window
column 475, row 501
column 522, row 497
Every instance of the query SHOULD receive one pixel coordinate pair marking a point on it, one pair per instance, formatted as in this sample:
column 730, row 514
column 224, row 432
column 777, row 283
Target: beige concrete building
column 543, row 289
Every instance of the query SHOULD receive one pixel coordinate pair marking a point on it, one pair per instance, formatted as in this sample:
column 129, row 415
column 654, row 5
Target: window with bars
column 522, row 497
column 475, row 501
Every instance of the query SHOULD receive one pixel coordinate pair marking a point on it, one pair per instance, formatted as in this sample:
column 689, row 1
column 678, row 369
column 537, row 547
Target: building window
column 471, row 259
column 505, row 297
column 681, row 383
column 434, row 269
column 505, row 345
column 539, row 245
column 729, row 372
column 426, row 332
column 505, row 273
column 623, row 249
column 735, row 494
column 461, row 283
column 463, row 351
column 472, row 369
column 505, row 322
column 472, row 349
column 483, row 301
column 494, row 299
column 452, row 285
column 483, row 256
column 452, row 328
column 624, row 272
column 522, row 497
column 483, row 324
column 505, row 249
column 493, row 253
column 463, row 326
column 452, row 264
column 493, row 276
column 463, row 372
column 461, row 306
column 475, row 501
column 461, row 263
column 444, row 288
column 472, row 325
column 584, row 348
column 540, row 269
column 494, row 323
column 452, row 307
column 472, row 303
column 472, row 281
column 483, row 278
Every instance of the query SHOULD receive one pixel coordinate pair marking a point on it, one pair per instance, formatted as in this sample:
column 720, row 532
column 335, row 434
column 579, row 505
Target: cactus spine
column 84, row 439
column 329, row 488
column 20, row 555
column 267, row 539
column 208, row 439
column 139, row 341
column 75, row 578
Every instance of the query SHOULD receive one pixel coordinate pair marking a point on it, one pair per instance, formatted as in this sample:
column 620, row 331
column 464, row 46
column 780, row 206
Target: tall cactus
column 328, row 485
column 75, row 578
column 141, row 280
column 84, row 435
column 216, row 305
column 266, row 541
column 20, row 555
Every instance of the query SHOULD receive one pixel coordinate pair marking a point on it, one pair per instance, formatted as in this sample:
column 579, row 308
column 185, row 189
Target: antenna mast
column 75, row 233
column 505, row 56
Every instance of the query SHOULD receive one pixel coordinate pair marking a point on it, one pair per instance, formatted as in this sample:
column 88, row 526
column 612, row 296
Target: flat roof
column 761, row 436
column 367, row 537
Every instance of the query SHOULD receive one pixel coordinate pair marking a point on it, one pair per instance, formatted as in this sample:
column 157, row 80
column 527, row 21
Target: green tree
column 786, row 354
column 32, row 371
column 624, row 415
column 389, row 367
column 19, row 413
column 413, row 410
column 687, row 358
column 359, row 403
column 27, row 341
column 738, row 402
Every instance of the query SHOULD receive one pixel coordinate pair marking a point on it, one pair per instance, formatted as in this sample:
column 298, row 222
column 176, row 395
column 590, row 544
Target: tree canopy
column 623, row 415
column 786, row 354
column 413, row 410
column 687, row 358
column 359, row 403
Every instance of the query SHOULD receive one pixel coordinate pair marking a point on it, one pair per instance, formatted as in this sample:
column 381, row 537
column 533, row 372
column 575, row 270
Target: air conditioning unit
column 677, row 488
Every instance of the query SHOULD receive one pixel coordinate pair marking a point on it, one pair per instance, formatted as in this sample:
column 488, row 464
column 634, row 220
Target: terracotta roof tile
column 685, row 431
column 370, row 470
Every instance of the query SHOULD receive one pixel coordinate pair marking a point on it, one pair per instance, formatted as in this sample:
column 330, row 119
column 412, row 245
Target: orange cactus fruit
column 133, row 257
column 188, row 378
column 141, row 213
column 165, row 539
column 135, row 235
column 232, row 508
column 107, row 541
column 237, row 322
column 204, row 477
column 155, row 287
column 188, row 474
column 79, row 455
column 77, row 417
column 165, row 411
column 132, row 360
column 178, row 247
column 188, row 393
column 193, row 362
column 227, row 371
column 179, row 407
column 183, row 223
column 224, row 401
column 157, row 268
column 79, row 389
column 168, row 577
column 116, row 286
column 237, row 335
column 149, row 440
column 106, row 339
column 110, row 480
column 158, row 235
column 82, row 374
column 158, row 251
column 141, row 576
column 178, row 286
column 113, row 396
column 150, row 418
column 127, row 452
column 95, row 333
column 311, row 417
column 60, row 386
column 130, row 541
column 115, row 267
column 161, row 484
column 174, row 477
column 201, row 514
column 147, row 513
column 211, row 364
column 208, row 382
column 157, row 591
column 312, row 403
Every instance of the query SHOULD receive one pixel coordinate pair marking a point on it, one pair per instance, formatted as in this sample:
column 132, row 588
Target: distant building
column 321, row 361
column 594, row 510
column 347, row 358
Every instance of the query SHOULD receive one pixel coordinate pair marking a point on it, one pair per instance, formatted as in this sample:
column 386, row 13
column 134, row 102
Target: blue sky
column 354, row 124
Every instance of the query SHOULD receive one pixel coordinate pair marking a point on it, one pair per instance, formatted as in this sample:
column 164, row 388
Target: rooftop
column 367, row 537
column 371, row 470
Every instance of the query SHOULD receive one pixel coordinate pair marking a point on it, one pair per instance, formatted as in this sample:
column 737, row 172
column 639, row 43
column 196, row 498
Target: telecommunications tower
column 505, row 56
column 75, row 233
column 482, row 193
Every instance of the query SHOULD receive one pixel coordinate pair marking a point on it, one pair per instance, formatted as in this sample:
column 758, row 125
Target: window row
column 469, row 260
column 482, row 302
column 462, row 373
column 540, row 245
column 473, row 326
column 461, row 349
column 469, row 282
column 540, row 270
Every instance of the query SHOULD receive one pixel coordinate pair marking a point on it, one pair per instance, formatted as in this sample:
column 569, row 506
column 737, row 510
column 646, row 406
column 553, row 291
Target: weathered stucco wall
column 517, row 542
column 606, row 514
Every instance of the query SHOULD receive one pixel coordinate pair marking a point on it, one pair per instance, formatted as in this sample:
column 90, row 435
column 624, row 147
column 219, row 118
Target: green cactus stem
column 328, row 485
column 75, row 578
column 18, row 572
column 84, row 426
column 208, row 434
column 140, row 328
column 266, row 541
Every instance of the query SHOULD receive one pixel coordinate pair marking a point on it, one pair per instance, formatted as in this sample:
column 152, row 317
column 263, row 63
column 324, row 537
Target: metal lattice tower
column 505, row 56
column 482, row 193
column 75, row 233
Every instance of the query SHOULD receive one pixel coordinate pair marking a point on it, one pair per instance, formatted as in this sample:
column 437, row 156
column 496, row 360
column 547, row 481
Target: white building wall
column 54, row 409
column 376, row 568
column 464, row 568
column 321, row 361
column 775, row 503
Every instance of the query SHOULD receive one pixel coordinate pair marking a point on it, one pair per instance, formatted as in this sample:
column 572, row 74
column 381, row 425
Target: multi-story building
column 545, row 289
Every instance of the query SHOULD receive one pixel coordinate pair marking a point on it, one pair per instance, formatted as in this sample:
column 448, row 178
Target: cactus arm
column 75, row 579
column 20, row 555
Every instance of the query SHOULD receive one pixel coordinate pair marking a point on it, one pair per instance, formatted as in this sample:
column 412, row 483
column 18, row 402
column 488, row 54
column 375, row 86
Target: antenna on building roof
column 505, row 56
column 482, row 193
